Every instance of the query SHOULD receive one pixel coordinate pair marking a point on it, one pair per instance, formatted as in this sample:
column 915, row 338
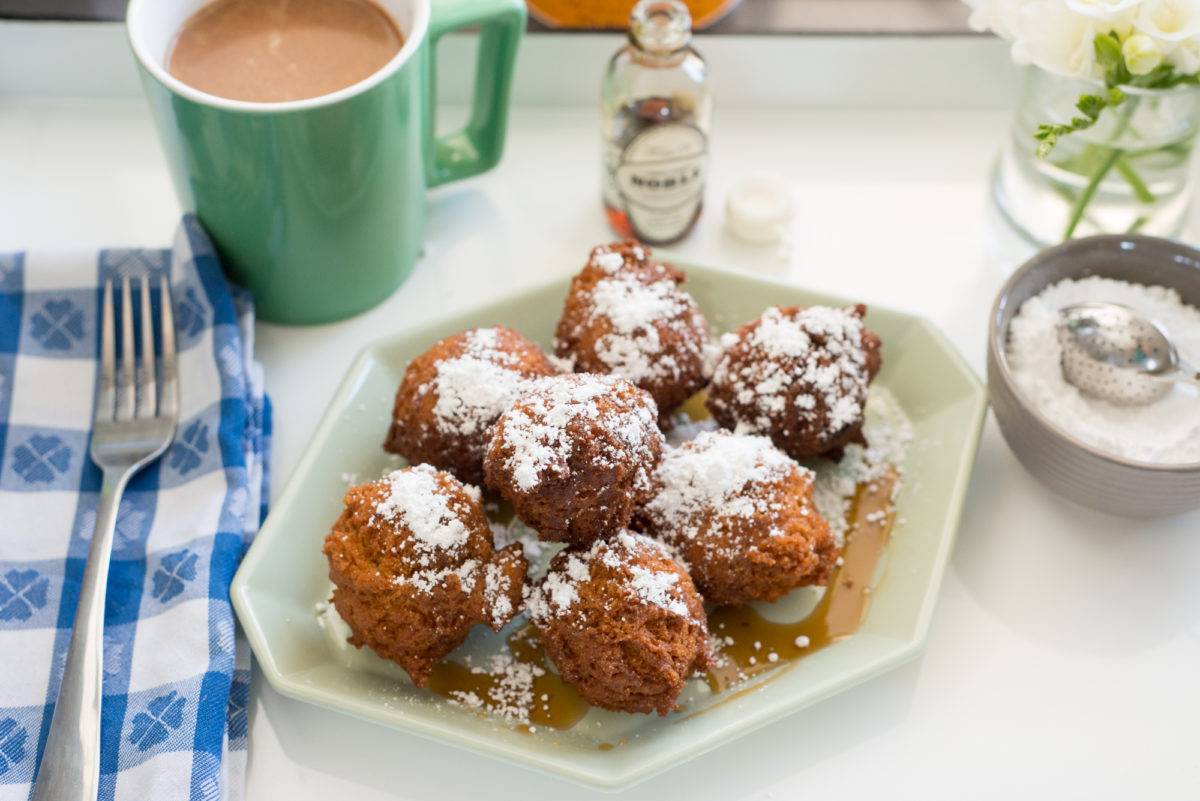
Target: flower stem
column 1115, row 154
column 1140, row 190
column 1085, row 197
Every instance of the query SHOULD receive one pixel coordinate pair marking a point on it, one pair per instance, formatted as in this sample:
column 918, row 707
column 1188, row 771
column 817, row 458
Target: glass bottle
column 655, row 113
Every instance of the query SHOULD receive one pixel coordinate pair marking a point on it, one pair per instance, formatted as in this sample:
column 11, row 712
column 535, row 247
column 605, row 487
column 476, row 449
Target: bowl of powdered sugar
column 1135, row 461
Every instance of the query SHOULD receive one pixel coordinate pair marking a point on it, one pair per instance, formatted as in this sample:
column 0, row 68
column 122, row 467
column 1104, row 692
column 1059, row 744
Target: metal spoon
column 1114, row 353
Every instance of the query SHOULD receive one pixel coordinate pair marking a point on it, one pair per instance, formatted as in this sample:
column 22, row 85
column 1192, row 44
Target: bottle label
column 659, row 179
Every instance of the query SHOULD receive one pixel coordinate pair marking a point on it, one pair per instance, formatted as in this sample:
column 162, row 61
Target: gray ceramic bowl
column 1077, row 471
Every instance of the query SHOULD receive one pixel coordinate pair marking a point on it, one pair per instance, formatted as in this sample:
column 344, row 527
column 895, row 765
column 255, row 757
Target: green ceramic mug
column 318, row 205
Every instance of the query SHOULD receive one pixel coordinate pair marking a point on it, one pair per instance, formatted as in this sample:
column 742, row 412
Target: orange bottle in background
column 615, row 13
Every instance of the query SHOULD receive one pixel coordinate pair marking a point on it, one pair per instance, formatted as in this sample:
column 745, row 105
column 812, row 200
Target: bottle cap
column 759, row 208
column 660, row 26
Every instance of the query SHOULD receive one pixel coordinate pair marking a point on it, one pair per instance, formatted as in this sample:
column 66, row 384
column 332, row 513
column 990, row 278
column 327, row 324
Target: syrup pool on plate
column 522, row 686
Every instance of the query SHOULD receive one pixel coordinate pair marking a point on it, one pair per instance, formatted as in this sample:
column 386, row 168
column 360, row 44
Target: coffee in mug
column 272, row 51
column 317, row 205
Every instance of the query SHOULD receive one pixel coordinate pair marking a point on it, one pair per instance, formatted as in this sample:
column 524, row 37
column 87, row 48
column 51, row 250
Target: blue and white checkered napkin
column 176, row 673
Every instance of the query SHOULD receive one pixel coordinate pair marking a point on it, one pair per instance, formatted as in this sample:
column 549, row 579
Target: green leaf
column 1158, row 78
column 1108, row 51
column 1118, row 75
column 1163, row 76
column 1091, row 105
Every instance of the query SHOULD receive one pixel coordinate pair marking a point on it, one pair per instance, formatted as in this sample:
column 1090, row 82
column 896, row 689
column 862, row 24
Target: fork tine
column 127, row 388
column 147, row 385
column 169, row 402
column 106, row 395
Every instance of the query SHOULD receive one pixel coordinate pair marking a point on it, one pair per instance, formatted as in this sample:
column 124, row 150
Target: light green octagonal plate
column 283, row 580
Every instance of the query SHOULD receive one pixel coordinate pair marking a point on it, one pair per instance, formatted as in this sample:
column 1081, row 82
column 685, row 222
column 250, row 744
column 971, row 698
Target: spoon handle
column 1185, row 372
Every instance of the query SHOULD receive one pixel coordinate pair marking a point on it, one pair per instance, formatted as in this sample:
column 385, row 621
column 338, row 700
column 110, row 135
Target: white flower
column 1105, row 10
column 1142, row 54
column 997, row 16
column 1059, row 35
column 1185, row 57
column 1169, row 20
column 1057, row 39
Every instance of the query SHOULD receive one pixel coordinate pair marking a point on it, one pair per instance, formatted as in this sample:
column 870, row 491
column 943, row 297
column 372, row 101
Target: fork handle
column 70, row 767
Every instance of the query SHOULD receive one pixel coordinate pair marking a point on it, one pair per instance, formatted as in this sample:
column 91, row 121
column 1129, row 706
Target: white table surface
column 1064, row 655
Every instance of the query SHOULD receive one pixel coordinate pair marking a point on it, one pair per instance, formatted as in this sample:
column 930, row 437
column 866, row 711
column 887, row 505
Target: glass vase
column 1129, row 172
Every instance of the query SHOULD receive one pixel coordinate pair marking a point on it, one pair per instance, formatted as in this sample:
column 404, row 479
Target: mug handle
column 476, row 147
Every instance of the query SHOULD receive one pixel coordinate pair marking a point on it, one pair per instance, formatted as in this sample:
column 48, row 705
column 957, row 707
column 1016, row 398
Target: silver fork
column 133, row 424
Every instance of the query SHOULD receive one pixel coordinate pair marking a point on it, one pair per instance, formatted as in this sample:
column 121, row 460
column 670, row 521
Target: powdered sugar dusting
column 634, row 348
column 653, row 586
column 628, row 317
column 416, row 500
column 429, row 579
column 495, row 595
column 557, row 594
column 630, row 304
column 559, row 588
column 475, row 388
column 537, row 429
column 712, row 472
column 608, row 261
column 1166, row 431
column 631, row 357
column 504, row 534
column 816, row 352
column 712, row 353
column 612, row 258
column 889, row 435
column 510, row 696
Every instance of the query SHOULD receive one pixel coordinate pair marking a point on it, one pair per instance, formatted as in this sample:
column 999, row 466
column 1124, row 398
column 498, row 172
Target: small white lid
column 759, row 208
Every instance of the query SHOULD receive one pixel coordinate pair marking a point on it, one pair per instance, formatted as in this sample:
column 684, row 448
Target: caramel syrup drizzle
column 562, row 707
column 836, row 616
